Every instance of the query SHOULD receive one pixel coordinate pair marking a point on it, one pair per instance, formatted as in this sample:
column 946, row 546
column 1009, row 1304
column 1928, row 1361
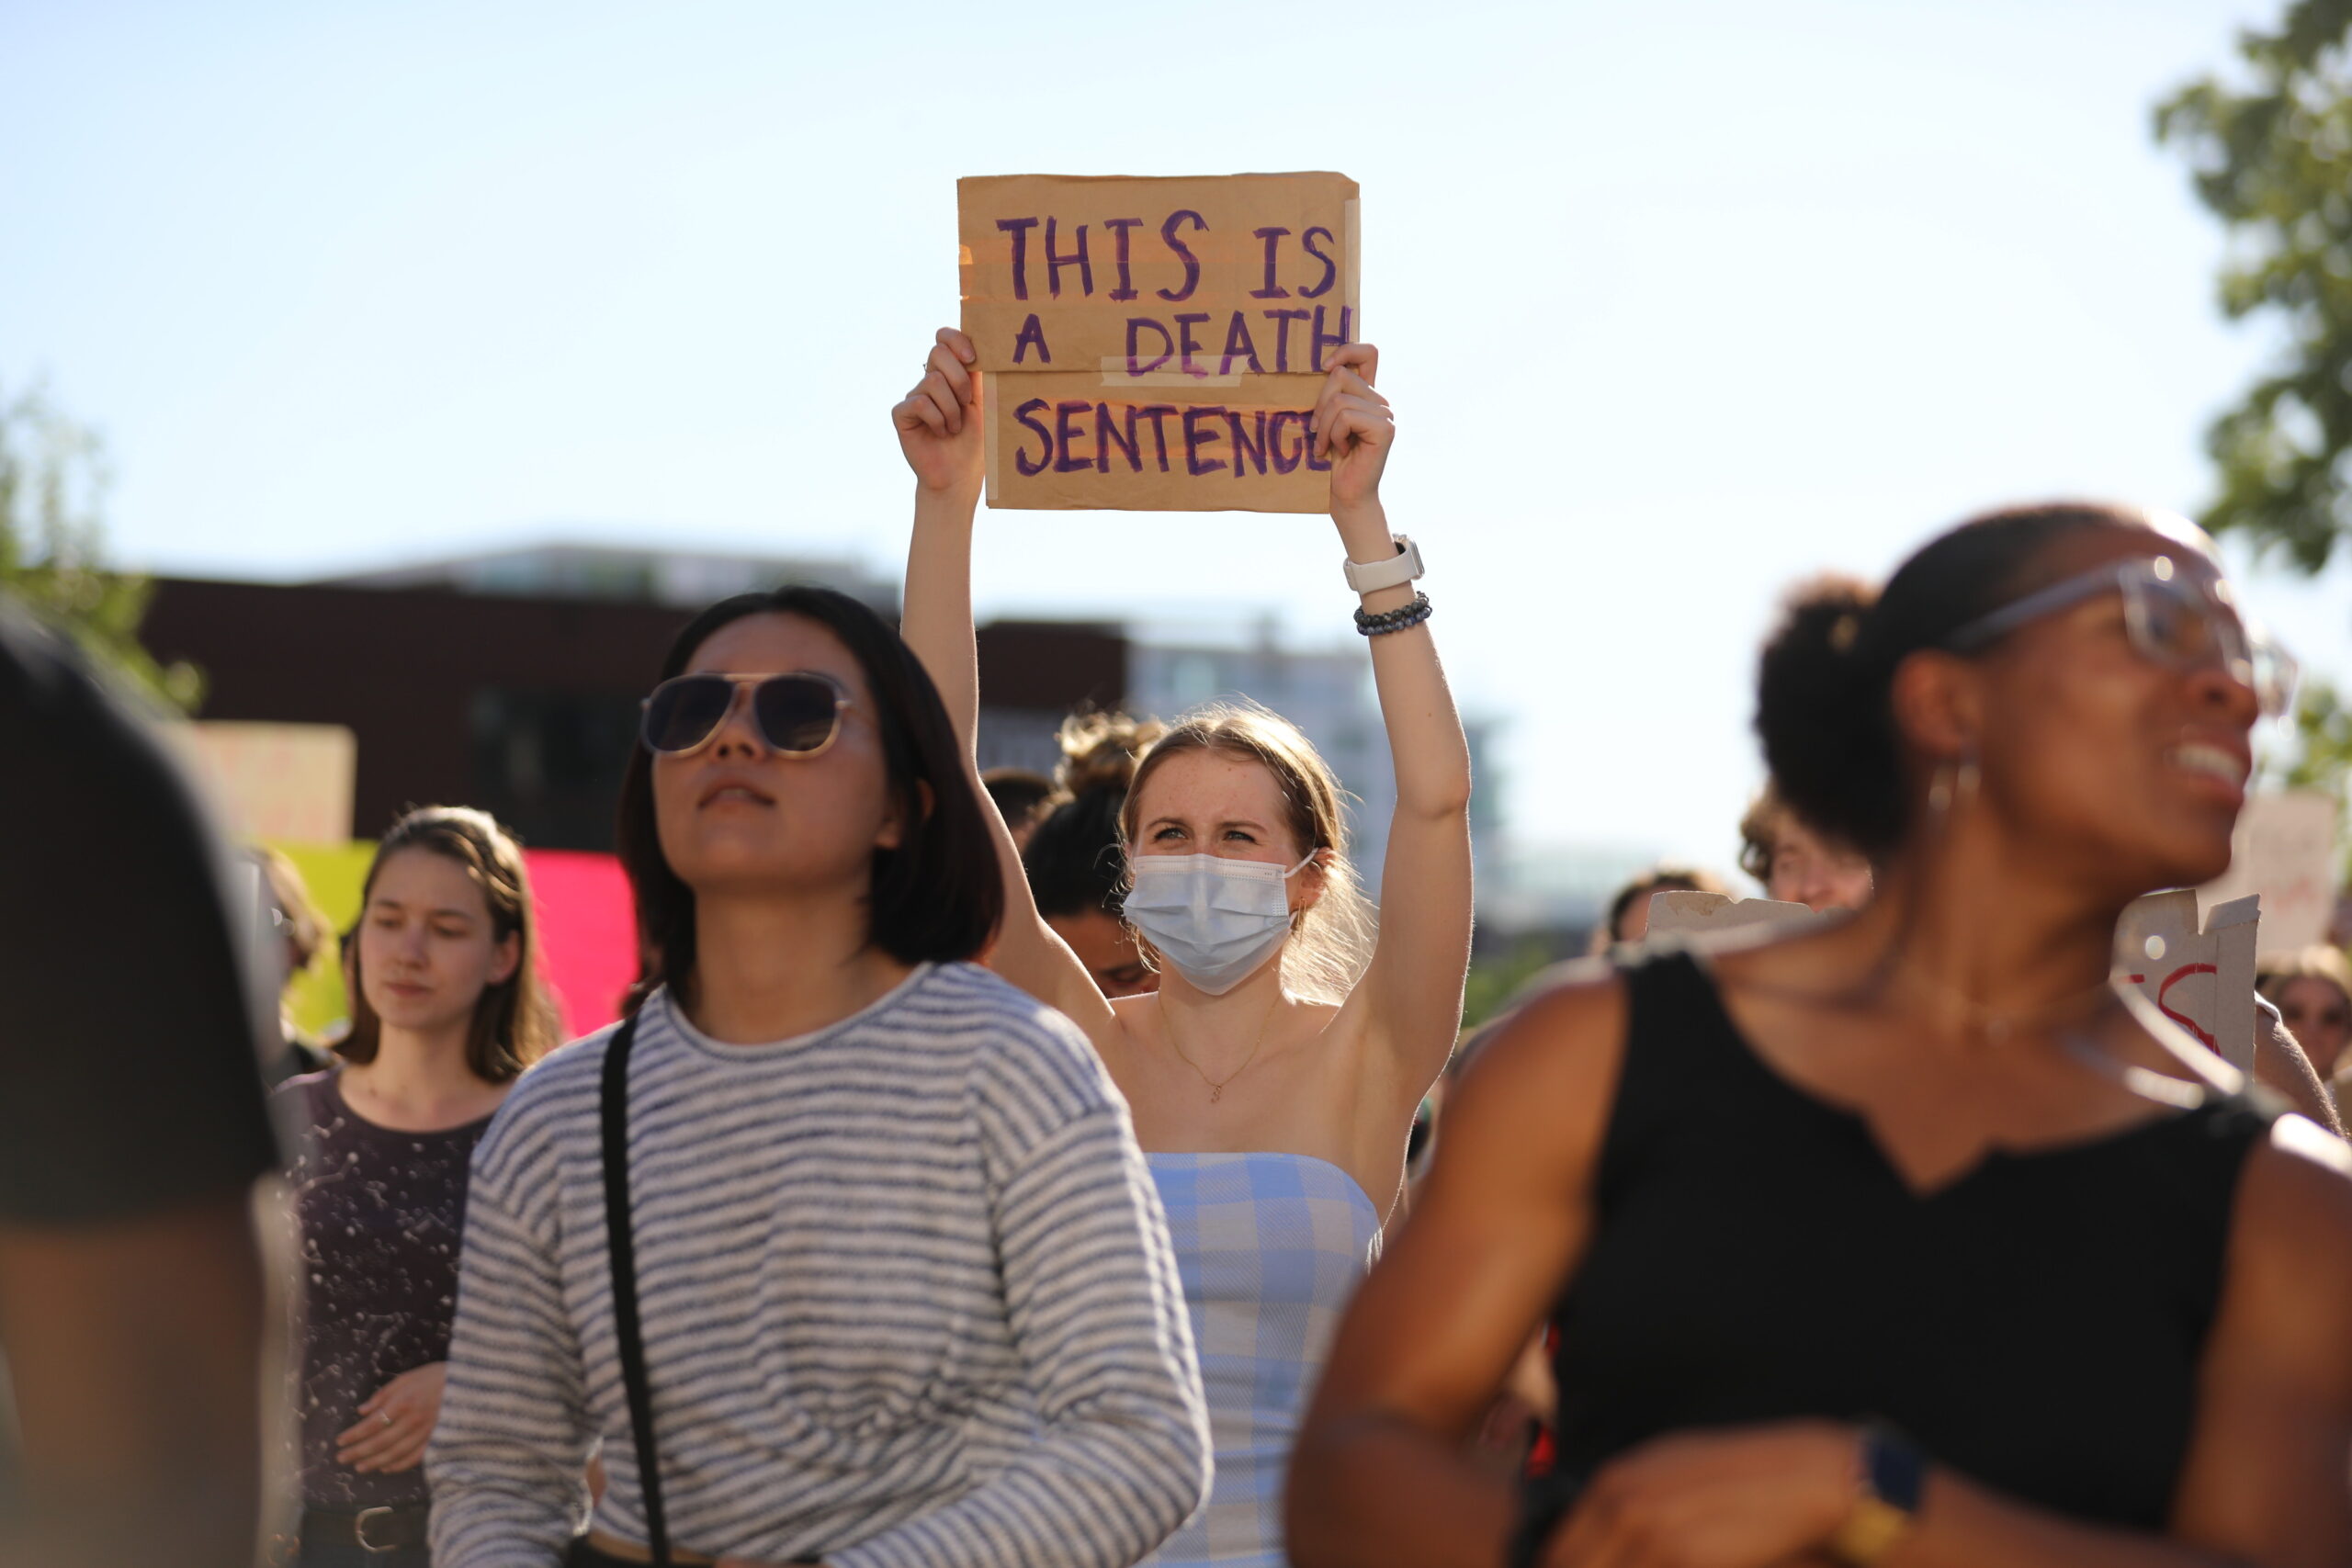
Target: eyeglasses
column 799, row 715
column 2172, row 621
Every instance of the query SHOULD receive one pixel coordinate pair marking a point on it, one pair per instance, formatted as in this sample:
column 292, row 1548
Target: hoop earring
column 1953, row 782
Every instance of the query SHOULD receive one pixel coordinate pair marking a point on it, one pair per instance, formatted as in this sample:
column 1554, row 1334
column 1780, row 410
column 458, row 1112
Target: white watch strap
column 1405, row 566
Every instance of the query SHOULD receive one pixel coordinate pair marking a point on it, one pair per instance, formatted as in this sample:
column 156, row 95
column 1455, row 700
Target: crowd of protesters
column 1007, row 1170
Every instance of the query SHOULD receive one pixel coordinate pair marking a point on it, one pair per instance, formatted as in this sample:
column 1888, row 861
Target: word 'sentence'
column 1076, row 434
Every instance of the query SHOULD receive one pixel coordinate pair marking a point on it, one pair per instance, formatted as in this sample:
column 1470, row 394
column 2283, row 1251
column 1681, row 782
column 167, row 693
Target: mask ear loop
column 1299, row 914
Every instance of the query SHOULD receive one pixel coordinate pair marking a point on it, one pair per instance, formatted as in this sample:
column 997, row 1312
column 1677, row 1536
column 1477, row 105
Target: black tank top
column 2036, row 1324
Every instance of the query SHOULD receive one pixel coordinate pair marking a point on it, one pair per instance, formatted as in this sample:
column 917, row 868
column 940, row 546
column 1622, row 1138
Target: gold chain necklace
column 1217, row 1090
column 1997, row 1024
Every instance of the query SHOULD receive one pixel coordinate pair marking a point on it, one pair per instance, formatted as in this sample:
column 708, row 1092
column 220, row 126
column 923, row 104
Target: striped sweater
column 907, row 1289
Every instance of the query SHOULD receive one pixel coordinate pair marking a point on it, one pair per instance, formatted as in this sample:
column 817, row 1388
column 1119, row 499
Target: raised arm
column 942, row 430
column 1410, row 997
column 941, row 426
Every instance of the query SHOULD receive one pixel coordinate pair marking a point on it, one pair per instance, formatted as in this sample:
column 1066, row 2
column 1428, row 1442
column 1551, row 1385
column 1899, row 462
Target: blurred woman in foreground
column 1908, row 1239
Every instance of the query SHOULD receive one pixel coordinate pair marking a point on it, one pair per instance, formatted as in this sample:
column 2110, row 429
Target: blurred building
column 685, row 579
column 512, row 681
column 1551, row 896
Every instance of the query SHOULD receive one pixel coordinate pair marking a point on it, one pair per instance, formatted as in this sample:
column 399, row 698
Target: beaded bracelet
column 1403, row 618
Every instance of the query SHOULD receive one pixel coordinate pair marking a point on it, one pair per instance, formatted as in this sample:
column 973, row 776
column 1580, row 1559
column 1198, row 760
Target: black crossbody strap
column 620, row 1244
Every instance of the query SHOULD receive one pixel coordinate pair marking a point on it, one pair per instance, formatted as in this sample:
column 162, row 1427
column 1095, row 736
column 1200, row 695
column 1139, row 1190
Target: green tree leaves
column 53, row 480
column 2272, row 157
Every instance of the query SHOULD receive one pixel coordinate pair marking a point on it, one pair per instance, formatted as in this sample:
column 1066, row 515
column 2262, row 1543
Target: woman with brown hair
column 2312, row 989
column 446, row 1010
column 1908, row 1239
column 1275, row 1073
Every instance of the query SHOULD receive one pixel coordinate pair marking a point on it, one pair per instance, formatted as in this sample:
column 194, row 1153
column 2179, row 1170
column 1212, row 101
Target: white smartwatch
column 1405, row 566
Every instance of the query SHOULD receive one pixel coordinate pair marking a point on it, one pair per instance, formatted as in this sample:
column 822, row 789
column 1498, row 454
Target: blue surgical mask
column 1214, row 919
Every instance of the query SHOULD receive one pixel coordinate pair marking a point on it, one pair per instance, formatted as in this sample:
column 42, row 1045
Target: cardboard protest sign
column 1067, row 273
column 1058, row 442
column 1157, row 345
column 2201, row 977
column 2284, row 849
column 1680, row 911
column 274, row 780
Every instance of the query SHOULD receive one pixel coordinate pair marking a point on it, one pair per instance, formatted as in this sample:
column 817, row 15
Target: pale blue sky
column 1677, row 302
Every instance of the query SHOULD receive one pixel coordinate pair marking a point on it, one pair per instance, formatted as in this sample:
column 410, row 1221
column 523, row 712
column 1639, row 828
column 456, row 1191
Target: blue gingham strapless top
column 1271, row 1247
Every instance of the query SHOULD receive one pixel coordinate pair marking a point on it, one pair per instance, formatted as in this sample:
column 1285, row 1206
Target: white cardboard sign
column 278, row 783
column 1680, row 911
column 2201, row 978
column 2284, row 849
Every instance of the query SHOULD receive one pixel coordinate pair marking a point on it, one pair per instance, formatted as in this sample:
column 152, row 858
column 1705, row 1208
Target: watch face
column 1869, row 1532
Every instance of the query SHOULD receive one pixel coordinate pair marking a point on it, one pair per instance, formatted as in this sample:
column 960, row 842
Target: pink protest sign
column 587, row 922
column 587, row 934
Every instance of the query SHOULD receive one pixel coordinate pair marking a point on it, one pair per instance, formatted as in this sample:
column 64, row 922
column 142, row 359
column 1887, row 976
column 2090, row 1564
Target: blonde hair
column 1330, row 942
column 2318, row 962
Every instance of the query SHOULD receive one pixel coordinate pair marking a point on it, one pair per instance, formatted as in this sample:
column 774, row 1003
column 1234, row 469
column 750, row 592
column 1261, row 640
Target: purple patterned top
column 381, row 1215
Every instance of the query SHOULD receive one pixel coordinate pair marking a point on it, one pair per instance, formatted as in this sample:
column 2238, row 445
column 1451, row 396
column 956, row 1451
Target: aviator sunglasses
column 2171, row 620
column 799, row 715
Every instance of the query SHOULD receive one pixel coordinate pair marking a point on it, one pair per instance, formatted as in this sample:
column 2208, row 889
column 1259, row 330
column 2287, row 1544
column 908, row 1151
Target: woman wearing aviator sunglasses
column 1908, row 1240
column 840, row 1245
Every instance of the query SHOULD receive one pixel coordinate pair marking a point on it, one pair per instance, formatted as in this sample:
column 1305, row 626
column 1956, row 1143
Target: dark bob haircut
column 938, row 896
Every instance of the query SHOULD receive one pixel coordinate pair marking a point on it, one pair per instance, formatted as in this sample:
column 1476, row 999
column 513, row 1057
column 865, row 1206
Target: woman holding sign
column 1274, row 1075
column 1908, row 1239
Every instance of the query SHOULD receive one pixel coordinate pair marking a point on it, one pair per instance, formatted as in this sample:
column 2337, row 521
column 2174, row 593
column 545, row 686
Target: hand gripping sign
column 2201, row 978
column 1157, row 345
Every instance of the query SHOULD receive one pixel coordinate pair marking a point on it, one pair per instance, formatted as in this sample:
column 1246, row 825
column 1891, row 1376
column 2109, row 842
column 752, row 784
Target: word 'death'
column 1158, row 344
